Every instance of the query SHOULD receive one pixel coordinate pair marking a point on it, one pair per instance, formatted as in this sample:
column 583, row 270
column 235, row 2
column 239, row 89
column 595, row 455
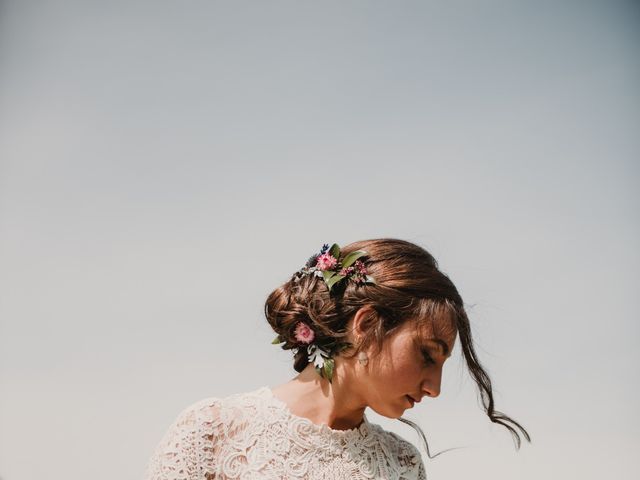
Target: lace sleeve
column 413, row 461
column 185, row 450
column 422, row 474
column 410, row 464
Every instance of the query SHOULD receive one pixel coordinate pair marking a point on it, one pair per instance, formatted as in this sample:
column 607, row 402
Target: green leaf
column 352, row 257
column 328, row 368
column 277, row 340
column 327, row 274
column 335, row 251
column 333, row 280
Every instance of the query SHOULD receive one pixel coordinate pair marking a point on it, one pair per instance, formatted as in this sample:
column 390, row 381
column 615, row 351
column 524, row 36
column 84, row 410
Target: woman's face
column 408, row 368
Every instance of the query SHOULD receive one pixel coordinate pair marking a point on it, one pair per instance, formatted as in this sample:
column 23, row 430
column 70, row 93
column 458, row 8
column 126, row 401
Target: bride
column 369, row 325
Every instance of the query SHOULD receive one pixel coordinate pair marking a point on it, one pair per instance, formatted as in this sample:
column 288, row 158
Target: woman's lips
column 411, row 400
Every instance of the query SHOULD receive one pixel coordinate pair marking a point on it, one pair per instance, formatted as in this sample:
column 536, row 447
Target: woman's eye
column 427, row 358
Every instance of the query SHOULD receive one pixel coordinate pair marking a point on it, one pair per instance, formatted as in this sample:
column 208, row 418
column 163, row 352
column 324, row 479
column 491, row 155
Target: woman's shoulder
column 394, row 440
column 187, row 442
column 217, row 408
column 406, row 453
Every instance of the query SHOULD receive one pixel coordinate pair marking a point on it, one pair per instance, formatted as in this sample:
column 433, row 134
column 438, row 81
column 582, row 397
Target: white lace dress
column 255, row 436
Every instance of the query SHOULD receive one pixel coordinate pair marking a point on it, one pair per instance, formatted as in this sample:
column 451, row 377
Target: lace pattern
column 255, row 436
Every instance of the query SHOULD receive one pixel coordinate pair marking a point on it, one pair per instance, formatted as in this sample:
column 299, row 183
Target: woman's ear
column 363, row 320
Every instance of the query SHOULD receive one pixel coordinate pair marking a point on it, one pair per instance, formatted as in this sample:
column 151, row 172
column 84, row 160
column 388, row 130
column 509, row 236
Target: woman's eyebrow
column 442, row 344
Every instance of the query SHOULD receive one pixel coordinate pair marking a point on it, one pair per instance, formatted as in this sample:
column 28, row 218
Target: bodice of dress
column 255, row 436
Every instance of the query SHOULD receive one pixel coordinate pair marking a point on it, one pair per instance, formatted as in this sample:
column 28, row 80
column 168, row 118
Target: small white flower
column 318, row 273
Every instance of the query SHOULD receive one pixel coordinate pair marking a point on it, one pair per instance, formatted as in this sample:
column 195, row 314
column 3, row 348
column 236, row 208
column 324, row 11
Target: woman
column 370, row 325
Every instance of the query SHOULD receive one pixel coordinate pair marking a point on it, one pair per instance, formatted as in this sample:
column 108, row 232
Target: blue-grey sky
column 164, row 165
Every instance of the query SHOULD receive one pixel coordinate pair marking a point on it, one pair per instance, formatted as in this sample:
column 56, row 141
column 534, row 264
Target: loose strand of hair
column 482, row 380
column 423, row 437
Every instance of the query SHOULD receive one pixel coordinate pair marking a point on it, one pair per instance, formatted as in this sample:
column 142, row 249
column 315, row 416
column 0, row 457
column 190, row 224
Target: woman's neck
column 310, row 396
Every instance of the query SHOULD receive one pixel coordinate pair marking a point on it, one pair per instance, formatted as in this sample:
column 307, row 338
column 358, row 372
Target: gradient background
column 166, row 164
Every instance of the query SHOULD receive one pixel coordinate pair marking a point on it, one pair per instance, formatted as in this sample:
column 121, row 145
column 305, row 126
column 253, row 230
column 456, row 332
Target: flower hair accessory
column 333, row 269
column 321, row 356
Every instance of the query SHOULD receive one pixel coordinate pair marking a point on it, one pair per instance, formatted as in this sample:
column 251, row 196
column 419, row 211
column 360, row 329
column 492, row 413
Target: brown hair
column 408, row 285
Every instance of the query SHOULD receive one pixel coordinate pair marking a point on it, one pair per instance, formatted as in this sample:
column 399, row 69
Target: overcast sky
column 164, row 165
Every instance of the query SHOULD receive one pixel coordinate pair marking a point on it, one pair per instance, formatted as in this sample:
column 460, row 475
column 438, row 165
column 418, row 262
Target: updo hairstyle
column 408, row 285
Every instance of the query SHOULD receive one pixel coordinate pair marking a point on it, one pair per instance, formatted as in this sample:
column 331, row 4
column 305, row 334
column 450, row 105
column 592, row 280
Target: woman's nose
column 431, row 386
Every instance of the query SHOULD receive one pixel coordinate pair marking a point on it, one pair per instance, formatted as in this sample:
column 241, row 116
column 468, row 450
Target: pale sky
column 165, row 165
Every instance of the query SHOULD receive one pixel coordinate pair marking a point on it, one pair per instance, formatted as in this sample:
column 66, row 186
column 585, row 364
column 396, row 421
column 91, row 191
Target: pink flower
column 361, row 267
column 346, row 271
column 326, row 261
column 304, row 334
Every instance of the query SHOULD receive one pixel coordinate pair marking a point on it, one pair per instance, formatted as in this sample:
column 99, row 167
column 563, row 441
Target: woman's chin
column 390, row 411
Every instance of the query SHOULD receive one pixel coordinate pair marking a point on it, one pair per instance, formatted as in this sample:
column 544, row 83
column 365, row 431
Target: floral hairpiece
column 328, row 265
column 333, row 269
column 320, row 356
